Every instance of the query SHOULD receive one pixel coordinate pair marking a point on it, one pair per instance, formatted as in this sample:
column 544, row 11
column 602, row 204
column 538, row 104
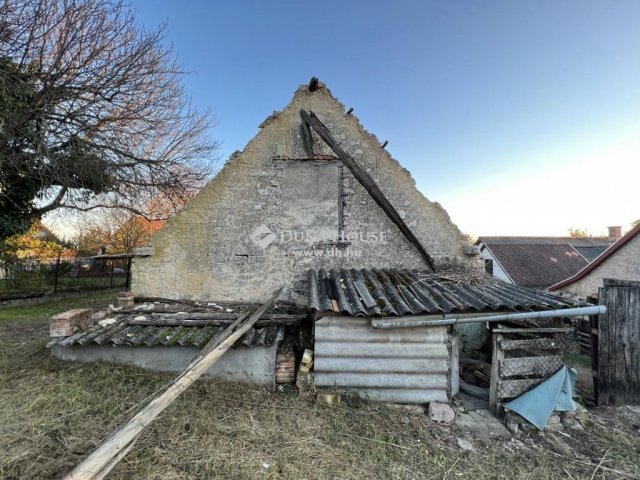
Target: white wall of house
column 498, row 271
column 622, row 265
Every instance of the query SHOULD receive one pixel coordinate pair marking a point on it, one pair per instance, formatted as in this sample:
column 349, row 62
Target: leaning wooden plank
column 367, row 182
column 102, row 460
column 104, row 471
column 307, row 140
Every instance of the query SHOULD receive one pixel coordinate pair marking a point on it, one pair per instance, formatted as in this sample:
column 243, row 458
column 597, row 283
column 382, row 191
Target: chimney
column 615, row 233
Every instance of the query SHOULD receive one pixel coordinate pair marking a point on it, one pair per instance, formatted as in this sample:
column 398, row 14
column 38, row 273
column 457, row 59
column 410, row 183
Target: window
column 488, row 266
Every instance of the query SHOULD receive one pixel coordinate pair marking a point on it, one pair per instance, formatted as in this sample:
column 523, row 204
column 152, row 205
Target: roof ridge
column 626, row 238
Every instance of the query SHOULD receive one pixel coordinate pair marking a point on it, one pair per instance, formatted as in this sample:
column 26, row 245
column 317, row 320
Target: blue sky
column 518, row 117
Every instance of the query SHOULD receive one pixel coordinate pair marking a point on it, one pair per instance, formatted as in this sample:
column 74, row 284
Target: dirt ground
column 54, row 413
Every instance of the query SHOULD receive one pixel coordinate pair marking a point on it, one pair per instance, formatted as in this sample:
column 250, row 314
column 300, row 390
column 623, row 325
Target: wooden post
column 593, row 329
column 496, row 358
column 127, row 280
column 98, row 464
column 111, row 274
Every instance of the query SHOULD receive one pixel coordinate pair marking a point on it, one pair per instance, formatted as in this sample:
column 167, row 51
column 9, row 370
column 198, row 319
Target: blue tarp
column 554, row 394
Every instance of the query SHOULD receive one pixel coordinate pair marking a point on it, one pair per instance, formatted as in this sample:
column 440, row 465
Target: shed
column 408, row 365
column 150, row 337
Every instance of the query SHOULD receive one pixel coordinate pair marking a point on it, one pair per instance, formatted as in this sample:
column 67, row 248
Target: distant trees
column 579, row 232
column 121, row 231
column 37, row 245
column 117, row 231
column 92, row 113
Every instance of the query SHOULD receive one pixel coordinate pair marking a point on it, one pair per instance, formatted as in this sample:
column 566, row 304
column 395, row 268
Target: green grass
column 33, row 284
column 53, row 306
column 579, row 360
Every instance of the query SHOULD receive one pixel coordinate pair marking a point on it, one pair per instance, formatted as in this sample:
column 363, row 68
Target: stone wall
column 622, row 265
column 235, row 240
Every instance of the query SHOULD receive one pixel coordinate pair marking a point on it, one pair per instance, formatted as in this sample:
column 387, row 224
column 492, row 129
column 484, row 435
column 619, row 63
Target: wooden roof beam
column 366, row 181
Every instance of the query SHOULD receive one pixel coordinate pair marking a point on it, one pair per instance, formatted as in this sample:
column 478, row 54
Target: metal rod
column 423, row 322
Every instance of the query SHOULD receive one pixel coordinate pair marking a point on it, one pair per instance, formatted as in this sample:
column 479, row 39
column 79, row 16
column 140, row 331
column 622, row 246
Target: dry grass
column 54, row 413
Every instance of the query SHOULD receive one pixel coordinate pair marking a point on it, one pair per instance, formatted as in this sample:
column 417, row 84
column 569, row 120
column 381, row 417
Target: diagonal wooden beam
column 98, row 464
column 307, row 139
column 366, row 181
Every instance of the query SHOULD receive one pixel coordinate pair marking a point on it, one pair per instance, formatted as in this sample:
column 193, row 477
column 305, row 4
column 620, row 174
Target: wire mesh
column 530, row 358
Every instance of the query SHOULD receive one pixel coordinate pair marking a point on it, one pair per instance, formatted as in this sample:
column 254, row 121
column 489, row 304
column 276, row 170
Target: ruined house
column 273, row 213
column 316, row 205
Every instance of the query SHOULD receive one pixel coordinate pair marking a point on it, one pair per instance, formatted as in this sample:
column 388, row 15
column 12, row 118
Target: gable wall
column 205, row 252
column 622, row 265
column 498, row 271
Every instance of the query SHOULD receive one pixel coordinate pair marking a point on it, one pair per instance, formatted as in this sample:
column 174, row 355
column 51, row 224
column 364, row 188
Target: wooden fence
column 618, row 344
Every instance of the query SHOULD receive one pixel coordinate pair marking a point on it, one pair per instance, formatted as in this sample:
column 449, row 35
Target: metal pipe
column 386, row 323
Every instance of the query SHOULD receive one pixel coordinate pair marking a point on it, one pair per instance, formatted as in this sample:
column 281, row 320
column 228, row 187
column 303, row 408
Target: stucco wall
column 249, row 365
column 498, row 271
column 622, row 265
column 207, row 252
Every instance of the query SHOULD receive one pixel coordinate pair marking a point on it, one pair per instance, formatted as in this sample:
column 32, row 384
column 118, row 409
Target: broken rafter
column 307, row 139
column 366, row 181
column 98, row 464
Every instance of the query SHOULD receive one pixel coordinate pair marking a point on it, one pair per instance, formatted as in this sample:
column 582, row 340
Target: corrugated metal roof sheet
column 121, row 333
column 401, row 292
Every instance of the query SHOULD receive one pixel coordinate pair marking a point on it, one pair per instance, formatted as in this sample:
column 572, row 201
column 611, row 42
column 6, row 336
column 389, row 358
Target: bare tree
column 92, row 113
column 116, row 230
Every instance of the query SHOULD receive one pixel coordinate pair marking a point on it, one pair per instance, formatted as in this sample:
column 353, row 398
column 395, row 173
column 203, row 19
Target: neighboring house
column 316, row 205
column 539, row 262
column 621, row 261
